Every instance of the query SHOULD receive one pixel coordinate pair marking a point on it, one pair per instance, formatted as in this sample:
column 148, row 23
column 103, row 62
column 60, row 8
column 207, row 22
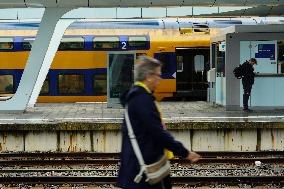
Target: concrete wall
column 226, row 139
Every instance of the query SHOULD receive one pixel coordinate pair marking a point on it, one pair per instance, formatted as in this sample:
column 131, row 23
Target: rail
column 102, row 168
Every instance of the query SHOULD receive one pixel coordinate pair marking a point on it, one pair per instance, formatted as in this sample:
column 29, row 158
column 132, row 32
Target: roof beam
column 255, row 11
column 132, row 3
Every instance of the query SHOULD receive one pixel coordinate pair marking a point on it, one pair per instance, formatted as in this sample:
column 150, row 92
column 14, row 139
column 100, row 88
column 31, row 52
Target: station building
column 233, row 46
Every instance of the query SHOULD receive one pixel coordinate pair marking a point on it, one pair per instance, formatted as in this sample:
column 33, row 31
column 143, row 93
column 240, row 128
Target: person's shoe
column 247, row 110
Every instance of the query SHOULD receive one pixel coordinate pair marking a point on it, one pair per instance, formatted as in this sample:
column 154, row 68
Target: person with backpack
column 247, row 81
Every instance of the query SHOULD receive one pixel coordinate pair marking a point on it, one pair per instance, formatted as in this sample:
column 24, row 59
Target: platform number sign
column 123, row 45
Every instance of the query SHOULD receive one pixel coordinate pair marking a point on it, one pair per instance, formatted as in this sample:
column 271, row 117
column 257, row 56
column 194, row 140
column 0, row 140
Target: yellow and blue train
column 79, row 70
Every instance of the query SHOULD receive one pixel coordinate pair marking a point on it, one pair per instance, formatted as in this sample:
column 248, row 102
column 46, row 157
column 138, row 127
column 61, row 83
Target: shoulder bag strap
column 135, row 146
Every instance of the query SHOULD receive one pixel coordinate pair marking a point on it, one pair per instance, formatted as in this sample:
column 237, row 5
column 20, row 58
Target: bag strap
column 135, row 146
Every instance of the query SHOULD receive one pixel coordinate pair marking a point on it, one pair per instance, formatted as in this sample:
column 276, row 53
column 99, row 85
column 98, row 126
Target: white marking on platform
column 169, row 119
column 22, row 119
column 86, row 118
column 44, row 119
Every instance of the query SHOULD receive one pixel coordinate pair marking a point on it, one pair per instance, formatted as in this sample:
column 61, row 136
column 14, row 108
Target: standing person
column 247, row 81
column 147, row 125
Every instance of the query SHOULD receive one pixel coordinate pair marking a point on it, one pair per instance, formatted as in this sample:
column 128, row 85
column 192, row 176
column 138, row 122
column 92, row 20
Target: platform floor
column 172, row 112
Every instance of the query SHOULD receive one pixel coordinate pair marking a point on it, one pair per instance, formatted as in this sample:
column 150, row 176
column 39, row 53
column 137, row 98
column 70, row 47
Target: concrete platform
column 93, row 127
column 173, row 112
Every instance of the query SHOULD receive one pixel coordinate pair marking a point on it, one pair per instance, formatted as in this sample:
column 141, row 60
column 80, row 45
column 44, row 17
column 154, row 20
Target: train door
column 119, row 76
column 191, row 77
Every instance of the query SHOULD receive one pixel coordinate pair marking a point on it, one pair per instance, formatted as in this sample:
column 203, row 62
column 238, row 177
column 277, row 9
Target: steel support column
column 42, row 53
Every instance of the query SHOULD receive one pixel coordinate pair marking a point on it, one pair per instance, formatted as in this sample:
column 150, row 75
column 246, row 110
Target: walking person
column 146, row 122
column 247, row 81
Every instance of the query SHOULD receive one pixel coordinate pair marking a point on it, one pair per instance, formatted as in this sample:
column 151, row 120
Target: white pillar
column 59, row 30
column 43, row 50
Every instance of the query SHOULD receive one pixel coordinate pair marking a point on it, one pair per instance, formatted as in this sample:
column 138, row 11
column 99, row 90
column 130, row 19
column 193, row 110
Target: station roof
column 270, row 28
column 131, row 3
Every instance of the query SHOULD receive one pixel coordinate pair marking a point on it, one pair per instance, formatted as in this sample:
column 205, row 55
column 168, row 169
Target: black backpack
column 239, row 71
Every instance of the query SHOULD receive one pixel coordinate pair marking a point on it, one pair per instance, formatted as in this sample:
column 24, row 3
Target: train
column 80, row 71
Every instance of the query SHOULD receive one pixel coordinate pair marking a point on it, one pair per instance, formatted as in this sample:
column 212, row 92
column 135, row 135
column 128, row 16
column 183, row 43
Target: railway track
column 116, row 155
column 50, row 168
column 115, row 161
column 113, row 158
column 190, row 180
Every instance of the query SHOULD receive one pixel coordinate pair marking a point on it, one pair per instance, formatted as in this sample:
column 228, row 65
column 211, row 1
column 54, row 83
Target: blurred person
column 146, row 121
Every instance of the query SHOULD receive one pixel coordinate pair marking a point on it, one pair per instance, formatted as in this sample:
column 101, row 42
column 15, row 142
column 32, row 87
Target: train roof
column 167, row 23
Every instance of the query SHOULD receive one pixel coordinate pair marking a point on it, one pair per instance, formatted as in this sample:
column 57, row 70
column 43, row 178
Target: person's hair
column 253, row 60
column 145, row 66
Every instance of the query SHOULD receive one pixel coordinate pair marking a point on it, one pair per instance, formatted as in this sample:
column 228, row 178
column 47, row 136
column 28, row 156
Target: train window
column 137, row 41
column 179, row 63
column 6, row 43
column 45, row 86
column 6, row 84
column 140, row 54
column 229, row 22
column 71, row 43
column 165, row 59
column 199, row 63
column 106, row 42
column 27, row 43
column 100, row 83
column 201, row 28
column 70, row 83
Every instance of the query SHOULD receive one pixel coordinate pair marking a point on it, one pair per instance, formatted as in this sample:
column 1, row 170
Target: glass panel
column 213, row 55
column 179, row 11
column 265, row 53
column 27, row 43
column 100, row 83
column 71, row 43
column 71, row 83
column 179, row 63
column 120, row 73
column 6, row 43
column 45, row 86
column 6, row 84
column 198, row 10
column 153, row 12
column 106, row 42
column 220, row 62
column 199, row 63
column 137, row 41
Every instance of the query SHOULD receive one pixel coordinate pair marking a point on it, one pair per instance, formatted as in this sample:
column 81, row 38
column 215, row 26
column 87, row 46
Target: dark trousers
column 247, row 91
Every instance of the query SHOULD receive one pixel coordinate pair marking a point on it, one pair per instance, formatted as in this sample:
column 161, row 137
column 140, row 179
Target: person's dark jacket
column 248, row 74
column 152, row 139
